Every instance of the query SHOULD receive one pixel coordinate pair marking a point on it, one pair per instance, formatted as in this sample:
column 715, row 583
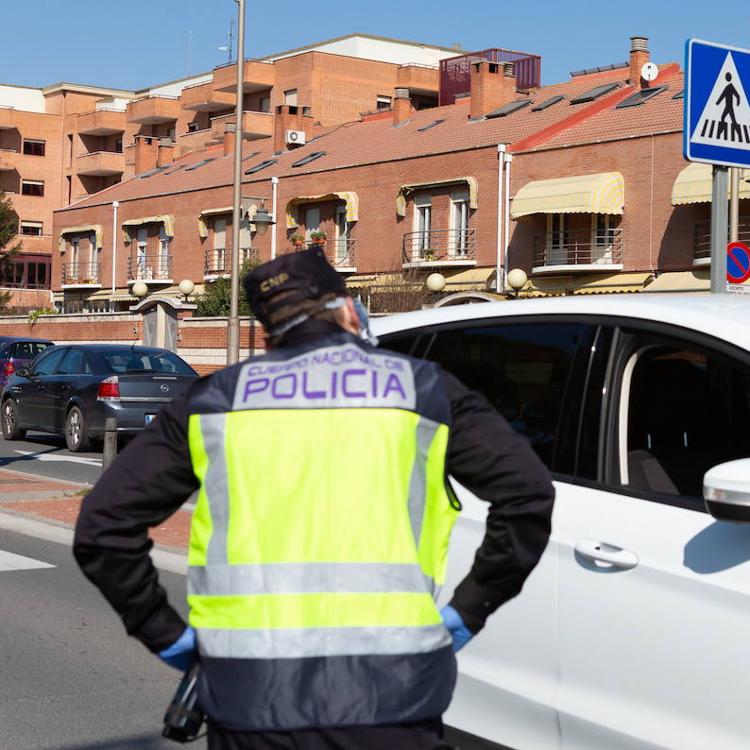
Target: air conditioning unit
column 295, row 137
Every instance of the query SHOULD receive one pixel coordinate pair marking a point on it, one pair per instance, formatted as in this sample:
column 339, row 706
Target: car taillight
column 109, row 389
column 9, row 369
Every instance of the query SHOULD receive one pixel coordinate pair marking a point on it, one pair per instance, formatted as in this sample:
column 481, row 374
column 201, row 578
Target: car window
column 683, row 409
column 129, row 360
column 74, row 363
column 27, row 349
column 46, row 363
column 522, row 368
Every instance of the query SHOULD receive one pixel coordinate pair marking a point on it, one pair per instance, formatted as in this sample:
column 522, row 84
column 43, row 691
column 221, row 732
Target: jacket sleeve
column 497, row 465
column 145, row 485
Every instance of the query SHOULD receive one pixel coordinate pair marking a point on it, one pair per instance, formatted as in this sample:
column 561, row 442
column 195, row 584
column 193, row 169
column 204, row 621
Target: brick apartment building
column 600, row 199
column 65, row 142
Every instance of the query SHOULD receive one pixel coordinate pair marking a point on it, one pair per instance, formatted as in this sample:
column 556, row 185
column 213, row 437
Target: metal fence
column 583, row 248
column 81, row 273
column 439, row 245
column 702, row 237
column 150, row 268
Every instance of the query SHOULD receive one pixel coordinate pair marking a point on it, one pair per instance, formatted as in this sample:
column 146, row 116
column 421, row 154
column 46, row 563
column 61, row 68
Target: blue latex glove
column 181, row 653
column 455, row 625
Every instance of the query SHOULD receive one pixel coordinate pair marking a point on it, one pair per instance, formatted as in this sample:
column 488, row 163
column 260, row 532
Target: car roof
column 103, row 348
column 16, row 339
column 726, row 317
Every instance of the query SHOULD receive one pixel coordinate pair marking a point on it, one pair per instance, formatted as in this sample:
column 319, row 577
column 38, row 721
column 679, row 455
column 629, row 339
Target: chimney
column 229, row 138
column 401, row 106
column 165, row 153
column 639, row 56
column 146, row 153
column 492, row 85
column 289, row 117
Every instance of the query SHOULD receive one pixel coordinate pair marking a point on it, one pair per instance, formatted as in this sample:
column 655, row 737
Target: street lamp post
column 233, row 324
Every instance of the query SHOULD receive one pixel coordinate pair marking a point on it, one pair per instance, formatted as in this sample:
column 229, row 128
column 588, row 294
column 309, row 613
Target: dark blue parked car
column 72, row 389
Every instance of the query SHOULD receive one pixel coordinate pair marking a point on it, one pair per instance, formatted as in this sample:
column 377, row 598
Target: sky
column 132, row 44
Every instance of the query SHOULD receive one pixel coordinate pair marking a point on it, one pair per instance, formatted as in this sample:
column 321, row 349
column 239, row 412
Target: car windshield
column 133, row 360
column 28, row 349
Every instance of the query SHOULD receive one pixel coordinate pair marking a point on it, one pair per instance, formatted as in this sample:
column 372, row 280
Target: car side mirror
column 23, row 372
column 726, row 491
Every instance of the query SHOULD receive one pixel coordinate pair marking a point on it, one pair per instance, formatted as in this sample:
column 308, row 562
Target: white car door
column 508, row 675
column 654, row 595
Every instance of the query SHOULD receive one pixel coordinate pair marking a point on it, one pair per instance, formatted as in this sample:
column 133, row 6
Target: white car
column 634, row 629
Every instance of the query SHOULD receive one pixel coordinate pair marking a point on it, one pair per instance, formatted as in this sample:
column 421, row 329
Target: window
column 509, row 108
column 129, row 360
column 422, row 221
column 118, row 146
column 245, row 241
column 459, row 222
column 595, row 93
column 33, row 148
column 683, row 409
column 290, row 97
column 93, row 256
column 31, row 228
column 75, row 247
column 164, row 264
column 74, row 363
column 197, row 164
column 524, row 370
column 32, row 187
column 602, row 238
column 383, row 102
column 307, row 159
column 220, row 245
column 262, row 165
column 47, row 362
column 341, row 250
column 193, row 127
column 431, row 125
column 557, row 246
column 265, row 104
column 312, row 221
column 27, row 349
column 142, row 253
column 641, row 97
column 547, row 103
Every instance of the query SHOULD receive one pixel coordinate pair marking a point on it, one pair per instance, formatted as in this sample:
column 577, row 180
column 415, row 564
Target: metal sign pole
column 734, row 204
column 719, row 230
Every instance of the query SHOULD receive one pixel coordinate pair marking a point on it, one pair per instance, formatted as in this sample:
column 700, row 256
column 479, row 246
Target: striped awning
column 207, row 213
column 682, row 281
column 617, row 283
column 166, row 219
column 83, row 229
column 694, row 185
column 602, row 193
column 405, row 190
column 351, row 201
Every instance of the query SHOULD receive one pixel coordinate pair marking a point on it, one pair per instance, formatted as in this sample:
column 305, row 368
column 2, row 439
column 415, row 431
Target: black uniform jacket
column 153, row 476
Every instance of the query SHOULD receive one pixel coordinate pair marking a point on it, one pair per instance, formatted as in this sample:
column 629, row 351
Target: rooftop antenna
column 228, row 46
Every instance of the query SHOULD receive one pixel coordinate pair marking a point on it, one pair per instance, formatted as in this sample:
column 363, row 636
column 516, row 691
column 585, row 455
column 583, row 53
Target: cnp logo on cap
column 273, row 282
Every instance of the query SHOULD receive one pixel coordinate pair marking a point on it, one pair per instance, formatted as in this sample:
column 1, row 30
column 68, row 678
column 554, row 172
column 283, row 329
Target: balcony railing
column 203, row 97
column 100, row 163
column 439, row 247
column 102, row 122
column 81, row 274
column 153, row 110
column 579, row 251
column 254, row 125
column 8, row 159
column 702, row 239
column 257, row 75
column 218, row 262
column 340, row 253
column 155, row 269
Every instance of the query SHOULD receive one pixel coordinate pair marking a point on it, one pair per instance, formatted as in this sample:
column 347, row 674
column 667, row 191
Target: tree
column 214, row 302
column 8, row 232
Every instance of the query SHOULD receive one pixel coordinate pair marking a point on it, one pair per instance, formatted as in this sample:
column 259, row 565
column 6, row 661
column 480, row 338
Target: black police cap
column 289, row 280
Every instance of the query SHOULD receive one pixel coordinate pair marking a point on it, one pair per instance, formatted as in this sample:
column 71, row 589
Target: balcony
column 153, row 110
column 257, row 75
column 419, row 79
column 255, row 125
column 702, row 240
column 152, row 270
column 203, row 97
column 439, row 248
column 102, row 122
column 579, row 252
column 7, row 118
column 8, row 159
column 217, row 262
column 100, row 164
column 82, row 276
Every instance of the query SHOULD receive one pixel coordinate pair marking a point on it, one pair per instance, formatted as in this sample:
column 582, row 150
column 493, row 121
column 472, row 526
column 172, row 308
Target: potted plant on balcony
column 318, row 238
column 298, row 241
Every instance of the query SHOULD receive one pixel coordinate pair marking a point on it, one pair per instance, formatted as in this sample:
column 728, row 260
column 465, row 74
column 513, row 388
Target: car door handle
column 596, row 551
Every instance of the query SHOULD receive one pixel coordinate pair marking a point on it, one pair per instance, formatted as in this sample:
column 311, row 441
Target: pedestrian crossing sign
column 717, row 109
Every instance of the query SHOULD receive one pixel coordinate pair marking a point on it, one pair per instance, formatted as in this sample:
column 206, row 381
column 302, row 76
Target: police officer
column 319, row 538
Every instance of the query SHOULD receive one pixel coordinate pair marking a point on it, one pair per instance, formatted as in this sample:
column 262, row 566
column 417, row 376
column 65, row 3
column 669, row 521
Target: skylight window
column 509, row 108
column 641, row 97
column 152, row 172
column 595, row 93
column 431, row 125
column 199, row 164
column 547, row 103
column 262, row 165
column 307, row 159
column 250, row 156
column 679, row 95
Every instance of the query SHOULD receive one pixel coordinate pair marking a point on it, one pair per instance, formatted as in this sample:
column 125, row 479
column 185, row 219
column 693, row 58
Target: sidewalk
column 58, row 502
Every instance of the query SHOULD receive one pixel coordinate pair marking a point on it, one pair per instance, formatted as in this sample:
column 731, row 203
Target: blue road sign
column 717, row 111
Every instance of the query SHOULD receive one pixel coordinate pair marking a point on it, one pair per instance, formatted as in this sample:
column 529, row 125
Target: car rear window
column 128, row 360
column 28, row 349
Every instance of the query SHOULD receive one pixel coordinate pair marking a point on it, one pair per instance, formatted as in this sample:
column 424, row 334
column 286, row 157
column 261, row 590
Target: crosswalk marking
column 85, row 460
column 10, row 561
column 727, row 131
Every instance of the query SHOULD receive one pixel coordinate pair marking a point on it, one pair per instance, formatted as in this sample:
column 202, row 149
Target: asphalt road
column 46, row 456
column 70, row 678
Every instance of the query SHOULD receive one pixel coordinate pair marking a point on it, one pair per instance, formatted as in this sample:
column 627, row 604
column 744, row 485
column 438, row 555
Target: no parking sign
column 738, row 266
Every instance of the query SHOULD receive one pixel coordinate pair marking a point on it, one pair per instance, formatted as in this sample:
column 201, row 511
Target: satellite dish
column 649, row 72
